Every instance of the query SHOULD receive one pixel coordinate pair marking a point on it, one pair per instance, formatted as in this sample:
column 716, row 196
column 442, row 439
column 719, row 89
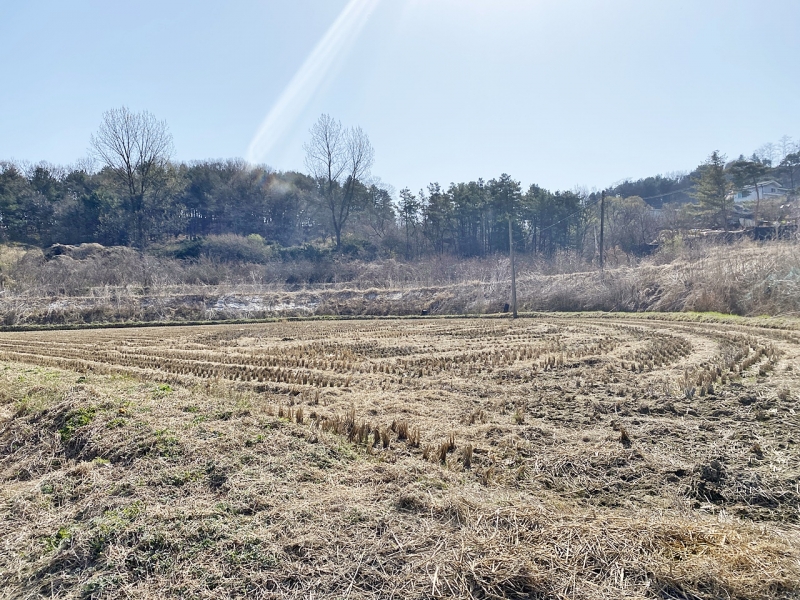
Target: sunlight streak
column 318, row 67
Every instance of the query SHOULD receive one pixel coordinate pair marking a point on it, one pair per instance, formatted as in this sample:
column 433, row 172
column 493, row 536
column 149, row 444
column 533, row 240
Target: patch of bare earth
column 558, row 457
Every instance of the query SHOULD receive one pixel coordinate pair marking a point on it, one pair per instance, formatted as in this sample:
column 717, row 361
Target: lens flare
column 318, row 67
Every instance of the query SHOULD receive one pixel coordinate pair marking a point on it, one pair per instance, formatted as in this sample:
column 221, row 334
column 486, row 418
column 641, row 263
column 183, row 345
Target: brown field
column 559, row 456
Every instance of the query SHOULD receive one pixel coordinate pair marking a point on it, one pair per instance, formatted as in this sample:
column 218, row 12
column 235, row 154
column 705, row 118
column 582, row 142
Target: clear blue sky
column 556, row 92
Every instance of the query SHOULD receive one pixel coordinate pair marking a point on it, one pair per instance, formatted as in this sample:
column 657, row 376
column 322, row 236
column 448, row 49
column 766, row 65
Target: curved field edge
column 764, row 321
column 469, row 458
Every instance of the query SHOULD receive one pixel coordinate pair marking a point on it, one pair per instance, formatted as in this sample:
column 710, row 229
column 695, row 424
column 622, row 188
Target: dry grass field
column 559, row 456
column 118, row 285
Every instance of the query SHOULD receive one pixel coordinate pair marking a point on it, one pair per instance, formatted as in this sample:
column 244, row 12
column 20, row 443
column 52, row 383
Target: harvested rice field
column 555, row 456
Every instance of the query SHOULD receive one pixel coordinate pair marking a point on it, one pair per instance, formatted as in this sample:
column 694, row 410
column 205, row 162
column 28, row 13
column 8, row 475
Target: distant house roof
column 770, row 183
column 769, row 188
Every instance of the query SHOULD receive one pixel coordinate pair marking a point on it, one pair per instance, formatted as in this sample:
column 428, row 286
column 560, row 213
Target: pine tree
column 712, row 188
column 749, row 172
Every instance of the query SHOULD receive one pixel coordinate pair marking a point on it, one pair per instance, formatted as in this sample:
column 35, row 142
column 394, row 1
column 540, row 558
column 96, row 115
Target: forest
column 137, row 196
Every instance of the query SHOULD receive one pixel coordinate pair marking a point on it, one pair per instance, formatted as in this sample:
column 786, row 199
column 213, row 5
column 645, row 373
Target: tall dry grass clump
column 745, row 278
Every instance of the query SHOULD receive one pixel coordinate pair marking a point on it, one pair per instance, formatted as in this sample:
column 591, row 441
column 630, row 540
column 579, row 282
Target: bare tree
column 786, row 146
column 134, row 147
column 767, row 153
column 339, row 159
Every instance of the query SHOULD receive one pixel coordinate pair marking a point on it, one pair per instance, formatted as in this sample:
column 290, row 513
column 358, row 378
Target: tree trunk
column 602, row 231
column 758, row 204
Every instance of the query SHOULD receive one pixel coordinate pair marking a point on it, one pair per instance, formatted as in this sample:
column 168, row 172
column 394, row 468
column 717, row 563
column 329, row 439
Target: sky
column 560, row 93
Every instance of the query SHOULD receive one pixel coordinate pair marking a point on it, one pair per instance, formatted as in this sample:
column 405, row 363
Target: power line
column 577, row 212
column 668, row 193
column 598, row 199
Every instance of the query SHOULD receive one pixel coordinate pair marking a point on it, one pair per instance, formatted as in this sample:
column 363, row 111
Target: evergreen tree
column 409, row 212
column 712, row 188
column 750, row 172
column 790, row 164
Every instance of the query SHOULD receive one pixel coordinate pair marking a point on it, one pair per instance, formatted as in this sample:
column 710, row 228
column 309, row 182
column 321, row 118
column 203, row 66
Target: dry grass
column 118, row 285
column 555, row 457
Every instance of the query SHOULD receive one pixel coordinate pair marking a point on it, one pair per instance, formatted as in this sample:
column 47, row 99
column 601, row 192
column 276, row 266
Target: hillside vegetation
column 156, row 201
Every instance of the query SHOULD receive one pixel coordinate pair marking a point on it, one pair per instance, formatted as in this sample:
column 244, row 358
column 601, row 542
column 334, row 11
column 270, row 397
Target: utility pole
column 513, row 271
column 602, row 227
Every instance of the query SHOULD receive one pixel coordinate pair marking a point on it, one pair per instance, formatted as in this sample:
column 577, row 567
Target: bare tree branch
column 339, row 160
column 133, row 146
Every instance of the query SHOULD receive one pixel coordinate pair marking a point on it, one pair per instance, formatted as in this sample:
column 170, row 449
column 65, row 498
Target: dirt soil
column 567, row 456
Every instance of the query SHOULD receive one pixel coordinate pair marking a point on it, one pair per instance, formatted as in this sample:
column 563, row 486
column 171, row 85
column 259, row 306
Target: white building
column 766, row 189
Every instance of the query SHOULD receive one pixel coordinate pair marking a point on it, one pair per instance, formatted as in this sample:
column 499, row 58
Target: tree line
column 138, row 196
